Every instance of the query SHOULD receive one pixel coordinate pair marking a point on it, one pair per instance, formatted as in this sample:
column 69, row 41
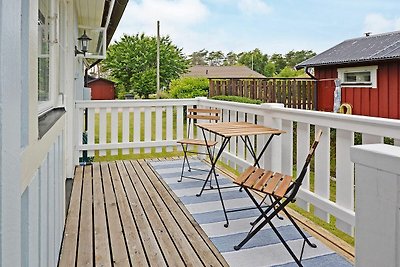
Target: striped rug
column 265, row 248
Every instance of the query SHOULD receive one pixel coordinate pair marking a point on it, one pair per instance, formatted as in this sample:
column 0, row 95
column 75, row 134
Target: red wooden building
column 102, row 89
column 369, row 70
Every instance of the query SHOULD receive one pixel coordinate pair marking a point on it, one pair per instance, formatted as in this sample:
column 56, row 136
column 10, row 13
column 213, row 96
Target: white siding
column 10, row 133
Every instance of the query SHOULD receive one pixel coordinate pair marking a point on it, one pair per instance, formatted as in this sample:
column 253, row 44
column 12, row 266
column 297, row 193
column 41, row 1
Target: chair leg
column 185, row 159
column 299, row 229
column 297, row 260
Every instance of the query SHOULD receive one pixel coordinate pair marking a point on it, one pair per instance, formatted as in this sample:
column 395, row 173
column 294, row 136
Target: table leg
column 212, row 172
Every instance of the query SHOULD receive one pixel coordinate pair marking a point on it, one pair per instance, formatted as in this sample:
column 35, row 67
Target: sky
column 273, row 26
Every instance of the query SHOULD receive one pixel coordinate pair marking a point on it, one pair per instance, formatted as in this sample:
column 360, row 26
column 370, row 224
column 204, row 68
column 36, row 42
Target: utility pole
column 158, row 59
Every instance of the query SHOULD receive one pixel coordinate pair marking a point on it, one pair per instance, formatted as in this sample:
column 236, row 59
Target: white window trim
column 373, row 69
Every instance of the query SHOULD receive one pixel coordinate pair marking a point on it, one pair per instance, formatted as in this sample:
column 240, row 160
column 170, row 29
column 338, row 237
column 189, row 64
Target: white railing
column 126, row 124
column 118, row 126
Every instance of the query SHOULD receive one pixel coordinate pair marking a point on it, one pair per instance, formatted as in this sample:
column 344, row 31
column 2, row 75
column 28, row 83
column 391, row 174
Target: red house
column 369, row 70
column 102, row 89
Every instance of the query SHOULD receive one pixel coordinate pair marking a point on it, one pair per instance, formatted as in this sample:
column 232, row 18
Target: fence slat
column 136, row 127
column 322, row 173
column 179, row 125
column 114, row 129
column 125, row 128
column 102, row 129
column 240, row 144
column 292, row 92
column 303, row 141
column 147, row 127
column 344, row 176
column 169, row 128
column 90, row 129
column 158, row 127
column 287, row 147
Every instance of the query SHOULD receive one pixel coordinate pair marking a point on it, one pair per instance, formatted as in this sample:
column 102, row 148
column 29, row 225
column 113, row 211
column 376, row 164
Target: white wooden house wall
column 33, row 170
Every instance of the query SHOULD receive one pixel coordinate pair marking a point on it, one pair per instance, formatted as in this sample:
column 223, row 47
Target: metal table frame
column 227, row 130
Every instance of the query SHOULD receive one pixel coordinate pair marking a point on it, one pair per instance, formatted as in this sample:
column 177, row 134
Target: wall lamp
column 84, row 42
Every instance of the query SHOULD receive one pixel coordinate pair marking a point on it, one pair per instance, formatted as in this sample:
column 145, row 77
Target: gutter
column 113, row 11
column 309, row 73
column 113, row 18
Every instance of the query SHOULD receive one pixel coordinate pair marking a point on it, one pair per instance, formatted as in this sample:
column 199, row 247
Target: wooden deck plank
column 122, row 214
column 167, row 247
column 132, row 237
column 85, row 244
column 153, row 252
column 70, row 241
column 118, row 248
column 101, row 242
column 172, row 226
column 206, row 250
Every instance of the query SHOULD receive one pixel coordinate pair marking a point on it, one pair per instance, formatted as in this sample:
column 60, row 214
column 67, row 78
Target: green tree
column 289, row 72
column 279, row 62
column 198, row 58
column 231, row 59
column 132, row 63
column 215, row 58
column 255, row 60
column 269, row 69
column 189, row 87
column 295, row 57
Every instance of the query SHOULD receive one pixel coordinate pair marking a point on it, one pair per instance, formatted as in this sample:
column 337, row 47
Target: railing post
column 377, row 169
column 273, row 154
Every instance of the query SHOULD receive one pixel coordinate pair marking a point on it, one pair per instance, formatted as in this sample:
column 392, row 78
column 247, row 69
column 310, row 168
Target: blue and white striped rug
column 265, row 248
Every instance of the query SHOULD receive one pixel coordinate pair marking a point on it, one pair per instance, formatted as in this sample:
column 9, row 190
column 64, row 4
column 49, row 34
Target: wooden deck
column 121, row 214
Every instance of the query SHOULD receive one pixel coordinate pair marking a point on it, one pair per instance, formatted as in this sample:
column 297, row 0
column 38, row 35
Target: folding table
column 227, row 130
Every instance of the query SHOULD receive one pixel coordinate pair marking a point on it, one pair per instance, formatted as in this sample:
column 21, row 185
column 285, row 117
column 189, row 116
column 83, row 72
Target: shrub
column 239, row 99
column 189, row 87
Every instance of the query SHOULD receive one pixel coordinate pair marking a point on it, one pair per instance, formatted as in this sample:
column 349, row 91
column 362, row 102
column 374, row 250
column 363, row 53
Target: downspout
column 315, row 93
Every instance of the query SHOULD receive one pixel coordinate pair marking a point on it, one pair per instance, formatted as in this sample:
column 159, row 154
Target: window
column 43, row 56
column 358, row 76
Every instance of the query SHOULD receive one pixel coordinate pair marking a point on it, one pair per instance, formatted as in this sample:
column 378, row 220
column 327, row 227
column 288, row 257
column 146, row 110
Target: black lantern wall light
column 84, row 42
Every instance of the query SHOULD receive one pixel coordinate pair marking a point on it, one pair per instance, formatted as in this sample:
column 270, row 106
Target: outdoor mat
column 264, row 249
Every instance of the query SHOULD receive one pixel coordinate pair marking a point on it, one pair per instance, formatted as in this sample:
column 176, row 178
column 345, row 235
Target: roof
column 94, row 79
column 378, row 47
column 238, row 72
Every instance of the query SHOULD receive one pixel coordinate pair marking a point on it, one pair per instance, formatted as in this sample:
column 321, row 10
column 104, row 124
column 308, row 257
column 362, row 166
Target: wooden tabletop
column 229, row 129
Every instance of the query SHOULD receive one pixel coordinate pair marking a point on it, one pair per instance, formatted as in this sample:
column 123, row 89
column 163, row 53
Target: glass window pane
column 43, row 51
column 358, row 77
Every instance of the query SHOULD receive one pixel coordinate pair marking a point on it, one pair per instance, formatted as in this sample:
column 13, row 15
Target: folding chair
column 282, row 190
column 194, row 114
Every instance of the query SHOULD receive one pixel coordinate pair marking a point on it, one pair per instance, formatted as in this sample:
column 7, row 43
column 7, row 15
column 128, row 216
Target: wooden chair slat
column 253, row 178
column 263, row 180
column 242, row 178
column 283, row 186
column 204, row 110
column 270, row 187
column 203, row 117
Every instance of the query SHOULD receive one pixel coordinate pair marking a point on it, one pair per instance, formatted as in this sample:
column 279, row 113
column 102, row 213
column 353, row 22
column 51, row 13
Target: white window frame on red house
column 359, row 74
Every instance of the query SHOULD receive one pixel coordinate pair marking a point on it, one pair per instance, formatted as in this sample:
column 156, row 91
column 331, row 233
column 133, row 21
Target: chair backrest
column 297, row 183
column 209, row 114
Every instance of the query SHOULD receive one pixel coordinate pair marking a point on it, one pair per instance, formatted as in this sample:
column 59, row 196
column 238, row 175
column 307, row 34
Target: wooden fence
column 294, row 93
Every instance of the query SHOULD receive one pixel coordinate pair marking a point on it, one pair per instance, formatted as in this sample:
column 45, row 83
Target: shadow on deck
column 121, row 214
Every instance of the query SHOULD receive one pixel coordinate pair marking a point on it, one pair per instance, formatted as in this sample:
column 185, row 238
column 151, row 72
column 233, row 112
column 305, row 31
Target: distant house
column 369, row 70
column 101, row 89
column 228, row 72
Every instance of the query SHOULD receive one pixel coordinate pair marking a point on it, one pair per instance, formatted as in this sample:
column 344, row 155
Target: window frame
column 51, row 28
column 372, row 69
